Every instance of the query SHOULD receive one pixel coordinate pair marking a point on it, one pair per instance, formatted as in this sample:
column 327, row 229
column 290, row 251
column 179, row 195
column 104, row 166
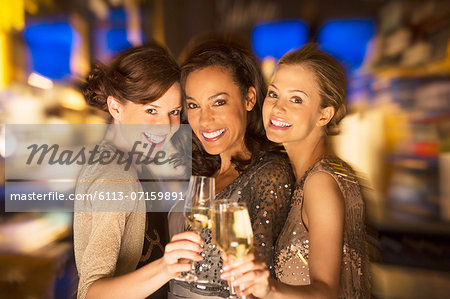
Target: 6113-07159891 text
column 98, row 195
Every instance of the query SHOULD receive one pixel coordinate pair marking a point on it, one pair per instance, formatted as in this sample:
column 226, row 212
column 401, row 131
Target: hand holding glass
column 232, row 231
column 196, row 211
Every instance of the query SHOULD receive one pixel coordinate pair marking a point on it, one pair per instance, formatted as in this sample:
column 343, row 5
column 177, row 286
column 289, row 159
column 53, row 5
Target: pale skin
column 149, row 278
column 164, row 111
column 214, row 105
column 183, row 247
column 293, row 116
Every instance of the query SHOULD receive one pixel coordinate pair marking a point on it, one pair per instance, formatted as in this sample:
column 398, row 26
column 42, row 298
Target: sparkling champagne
column 197, row 205
column 198, row 218
column 232, row 230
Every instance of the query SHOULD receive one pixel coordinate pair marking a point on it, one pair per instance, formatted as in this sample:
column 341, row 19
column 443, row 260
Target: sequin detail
column 266, row 187
column 292, row 248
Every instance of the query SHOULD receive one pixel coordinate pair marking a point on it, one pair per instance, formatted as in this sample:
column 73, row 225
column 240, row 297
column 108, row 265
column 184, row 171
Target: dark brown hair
column 246, row 73
column 331, row 78
column 140, row 75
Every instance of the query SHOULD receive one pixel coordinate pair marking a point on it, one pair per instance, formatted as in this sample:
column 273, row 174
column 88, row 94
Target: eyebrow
column 156, row 106
column 152, row 105
column 210, row 97
column 290, row 90
column 218, row 94
column 298, row 90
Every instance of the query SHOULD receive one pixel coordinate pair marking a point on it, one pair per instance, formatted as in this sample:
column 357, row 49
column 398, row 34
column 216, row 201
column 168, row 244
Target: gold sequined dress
column 292, row 247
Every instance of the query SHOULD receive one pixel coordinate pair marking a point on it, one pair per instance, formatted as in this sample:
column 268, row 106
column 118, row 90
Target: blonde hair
column 330, row 76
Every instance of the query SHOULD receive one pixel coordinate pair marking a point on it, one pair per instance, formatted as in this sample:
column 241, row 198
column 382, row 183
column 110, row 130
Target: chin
column 274, row 137
column 212, row 150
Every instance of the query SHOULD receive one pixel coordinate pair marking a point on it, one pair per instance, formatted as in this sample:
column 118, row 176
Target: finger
column 184, row 261
column 183, row 244
column 238, row 262
column 249, row 266
column 224, row 258
column 257, row 286
column 178, row 268
column 174, row 256
column 242, row 269
column 248, row 278
column 194, row 237
column 250, row 290
column 245, row 279
column 244, row 289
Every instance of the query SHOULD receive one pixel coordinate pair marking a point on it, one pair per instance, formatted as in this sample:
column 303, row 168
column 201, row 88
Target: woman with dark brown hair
column 223, row 91
column 320, row 253
column 140, row 88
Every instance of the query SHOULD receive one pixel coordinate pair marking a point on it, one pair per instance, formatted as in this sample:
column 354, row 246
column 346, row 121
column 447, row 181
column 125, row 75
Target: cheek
column 174, row 128
column 236, row 117
column 144, row 118
column 192, row 119
column 174, row 120
column 266, row 112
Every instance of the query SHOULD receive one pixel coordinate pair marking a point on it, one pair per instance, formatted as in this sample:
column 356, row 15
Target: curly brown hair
column 140, row 75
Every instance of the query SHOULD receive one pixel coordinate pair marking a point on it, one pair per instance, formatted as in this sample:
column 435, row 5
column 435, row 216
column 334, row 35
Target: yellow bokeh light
column 5, row 59
column 12, row 15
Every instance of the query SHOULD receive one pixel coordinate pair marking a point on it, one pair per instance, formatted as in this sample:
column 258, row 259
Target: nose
column 279, row 106
column 161, row 125
column 163, row 119
column 206, row 118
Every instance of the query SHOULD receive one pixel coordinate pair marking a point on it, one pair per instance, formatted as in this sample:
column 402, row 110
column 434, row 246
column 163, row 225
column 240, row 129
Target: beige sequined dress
column 108, row 235
column 292, row 247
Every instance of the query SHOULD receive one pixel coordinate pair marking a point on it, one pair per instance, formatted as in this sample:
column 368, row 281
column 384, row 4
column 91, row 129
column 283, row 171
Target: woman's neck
column 114, row 136
column 303, row 154
column 243, row 153
column 227, row 172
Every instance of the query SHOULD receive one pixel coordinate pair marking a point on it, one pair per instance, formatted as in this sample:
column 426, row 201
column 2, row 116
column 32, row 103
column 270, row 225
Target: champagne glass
column 232, row 231
column 196, row 211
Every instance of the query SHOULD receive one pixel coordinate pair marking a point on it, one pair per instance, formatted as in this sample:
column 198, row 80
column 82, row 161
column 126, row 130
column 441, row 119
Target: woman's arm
column 148, row 279
column 323, row 209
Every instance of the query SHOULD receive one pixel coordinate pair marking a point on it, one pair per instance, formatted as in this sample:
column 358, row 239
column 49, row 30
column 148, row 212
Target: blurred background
column 397, row 132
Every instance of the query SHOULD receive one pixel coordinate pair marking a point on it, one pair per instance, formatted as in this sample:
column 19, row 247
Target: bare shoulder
column 322, row 191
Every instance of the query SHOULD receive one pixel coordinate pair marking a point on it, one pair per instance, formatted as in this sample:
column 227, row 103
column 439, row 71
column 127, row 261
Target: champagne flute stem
column 192, row 272
column 232, row 288
column 233, row 293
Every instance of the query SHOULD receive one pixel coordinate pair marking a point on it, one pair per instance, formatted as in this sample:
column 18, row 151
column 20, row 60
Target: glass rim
column 202, row 177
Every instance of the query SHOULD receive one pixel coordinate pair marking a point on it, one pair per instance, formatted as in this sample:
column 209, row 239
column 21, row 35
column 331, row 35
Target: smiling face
column 157, row 120
column 291, row 110
column 216, row 111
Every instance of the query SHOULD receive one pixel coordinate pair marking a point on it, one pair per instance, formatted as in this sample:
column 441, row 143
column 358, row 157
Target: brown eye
column 192, row 106
column 151, row 111
column 220, row 102
column 175, row 112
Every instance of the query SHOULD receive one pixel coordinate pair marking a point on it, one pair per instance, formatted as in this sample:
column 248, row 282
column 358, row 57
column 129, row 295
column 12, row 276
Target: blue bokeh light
column 347, row 40
column 112, row 39
column 50, row 45
column 277, row 38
